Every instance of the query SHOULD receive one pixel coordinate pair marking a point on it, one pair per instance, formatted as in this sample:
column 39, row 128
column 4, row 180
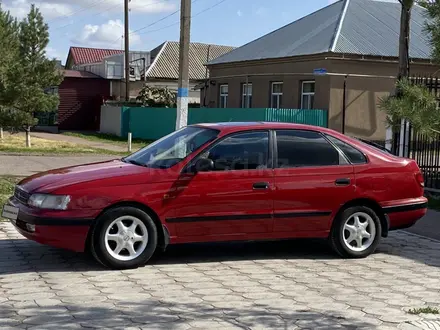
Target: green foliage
column 9, row 45
column 416, row 104
column 152, row 96
column 432, row 26
column 25, row 71
column 36, row 73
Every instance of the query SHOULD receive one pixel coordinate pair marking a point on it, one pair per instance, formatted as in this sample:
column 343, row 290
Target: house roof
column 165, row 59
column 362, row 27
column 79, row 74
column 81, row 55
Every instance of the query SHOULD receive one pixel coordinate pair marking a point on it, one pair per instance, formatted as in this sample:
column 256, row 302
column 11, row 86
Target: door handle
column 342, row 182
column 261, row 185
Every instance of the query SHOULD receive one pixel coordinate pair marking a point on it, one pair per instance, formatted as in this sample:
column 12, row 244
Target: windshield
column 173, row 148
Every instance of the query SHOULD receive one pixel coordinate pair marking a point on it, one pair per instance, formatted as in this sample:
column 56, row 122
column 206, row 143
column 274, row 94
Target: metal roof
column 364, row 27
column 165, row 60
column 81, row 55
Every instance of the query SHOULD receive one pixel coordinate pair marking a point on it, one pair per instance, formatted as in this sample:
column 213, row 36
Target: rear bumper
column 65, row 233
column 405, row 214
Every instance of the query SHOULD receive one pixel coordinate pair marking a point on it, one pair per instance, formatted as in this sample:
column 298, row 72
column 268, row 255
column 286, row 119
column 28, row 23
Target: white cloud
column 20, row 8
column 239, row 13
column 63, row 8
column 105, row 35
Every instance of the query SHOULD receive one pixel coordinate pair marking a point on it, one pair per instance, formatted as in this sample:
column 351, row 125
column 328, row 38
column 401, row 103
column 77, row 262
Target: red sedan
column 223, row 182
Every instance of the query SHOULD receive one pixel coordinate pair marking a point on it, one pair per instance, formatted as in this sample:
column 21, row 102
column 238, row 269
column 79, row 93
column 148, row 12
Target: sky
column 99, row 23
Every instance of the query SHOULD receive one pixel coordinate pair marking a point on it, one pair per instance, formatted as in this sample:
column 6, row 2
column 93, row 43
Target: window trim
column 222, row 95
column 270, row 156
column 275, row 151
column 272, row 94
column 367, row 160
column 244, row 96
column 306, row 93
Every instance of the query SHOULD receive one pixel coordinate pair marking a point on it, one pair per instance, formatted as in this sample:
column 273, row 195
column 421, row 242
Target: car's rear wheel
column 123, row 238
column 356, row 232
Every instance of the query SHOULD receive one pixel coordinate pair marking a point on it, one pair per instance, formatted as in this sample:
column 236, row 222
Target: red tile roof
column 81, row 55
column 78, row 74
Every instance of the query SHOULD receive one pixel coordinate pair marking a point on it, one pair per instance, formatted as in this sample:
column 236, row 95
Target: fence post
column 388, row 137
column 129, row 141
column 402, row 138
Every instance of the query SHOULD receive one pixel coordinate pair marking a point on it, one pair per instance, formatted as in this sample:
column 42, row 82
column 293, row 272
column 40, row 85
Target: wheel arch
column 162, row 231
column 383, row 217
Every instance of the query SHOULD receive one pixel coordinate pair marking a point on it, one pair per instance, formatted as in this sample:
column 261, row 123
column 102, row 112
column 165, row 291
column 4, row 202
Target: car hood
column 54, row 179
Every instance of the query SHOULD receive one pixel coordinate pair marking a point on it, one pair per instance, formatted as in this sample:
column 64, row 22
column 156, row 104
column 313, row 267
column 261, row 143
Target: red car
column 223, row 182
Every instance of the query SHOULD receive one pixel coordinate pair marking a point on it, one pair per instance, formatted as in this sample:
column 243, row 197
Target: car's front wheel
column 123, row 238
column 356, row 232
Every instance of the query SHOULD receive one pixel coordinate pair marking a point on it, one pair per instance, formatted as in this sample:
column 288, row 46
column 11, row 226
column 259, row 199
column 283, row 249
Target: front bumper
column 62, row 232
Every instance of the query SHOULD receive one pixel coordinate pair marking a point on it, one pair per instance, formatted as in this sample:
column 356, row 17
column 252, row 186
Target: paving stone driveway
column 278, row 285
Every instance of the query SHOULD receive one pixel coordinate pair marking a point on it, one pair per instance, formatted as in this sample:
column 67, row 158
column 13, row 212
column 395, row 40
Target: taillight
column 420, row 179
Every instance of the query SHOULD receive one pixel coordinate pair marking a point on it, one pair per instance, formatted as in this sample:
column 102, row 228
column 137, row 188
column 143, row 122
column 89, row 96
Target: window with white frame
column 276, row 99
column 246, row 99
column 224, row 92
column 308, row 94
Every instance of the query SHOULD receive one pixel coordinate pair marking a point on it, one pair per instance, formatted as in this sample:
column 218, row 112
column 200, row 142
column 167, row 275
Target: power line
column 193, row 16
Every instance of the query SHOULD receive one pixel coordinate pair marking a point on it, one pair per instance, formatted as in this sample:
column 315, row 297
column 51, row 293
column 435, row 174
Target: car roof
column 227, row 127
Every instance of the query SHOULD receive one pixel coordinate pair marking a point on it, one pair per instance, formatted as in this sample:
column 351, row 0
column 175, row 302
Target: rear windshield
column 375, row 145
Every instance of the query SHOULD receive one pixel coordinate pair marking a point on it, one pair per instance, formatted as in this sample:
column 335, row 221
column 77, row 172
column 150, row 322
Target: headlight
column 51, row 202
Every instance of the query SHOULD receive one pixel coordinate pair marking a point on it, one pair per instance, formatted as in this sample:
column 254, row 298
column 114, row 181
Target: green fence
column 153, row 123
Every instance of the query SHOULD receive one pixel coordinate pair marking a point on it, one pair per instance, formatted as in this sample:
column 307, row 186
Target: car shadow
column 21, row 255
column 173, row 314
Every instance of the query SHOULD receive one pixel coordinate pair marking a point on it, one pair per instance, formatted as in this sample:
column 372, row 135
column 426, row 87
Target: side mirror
column 204, row 165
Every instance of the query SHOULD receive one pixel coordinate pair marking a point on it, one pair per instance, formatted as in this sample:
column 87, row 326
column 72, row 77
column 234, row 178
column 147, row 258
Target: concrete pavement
column 266, row 285
column 28, row 165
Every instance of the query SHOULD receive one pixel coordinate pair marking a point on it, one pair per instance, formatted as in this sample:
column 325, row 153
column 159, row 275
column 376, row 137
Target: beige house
column 348, row 48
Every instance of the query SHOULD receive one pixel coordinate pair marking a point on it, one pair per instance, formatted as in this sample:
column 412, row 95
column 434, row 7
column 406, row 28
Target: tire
column 345, row 239
column 124, row 238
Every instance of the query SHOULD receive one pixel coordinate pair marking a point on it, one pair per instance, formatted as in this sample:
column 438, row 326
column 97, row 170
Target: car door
column 312, row 180
column 232, row 200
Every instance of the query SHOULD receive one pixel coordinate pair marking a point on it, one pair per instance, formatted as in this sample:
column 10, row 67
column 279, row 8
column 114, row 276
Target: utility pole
column 183, row 86
column 127, row 51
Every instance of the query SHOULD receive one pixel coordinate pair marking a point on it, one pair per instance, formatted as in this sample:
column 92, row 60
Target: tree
column 9, row 45
column 415, row 104
column 432, row 26
column 405, row 20
column 35, row 74
column 152, row 96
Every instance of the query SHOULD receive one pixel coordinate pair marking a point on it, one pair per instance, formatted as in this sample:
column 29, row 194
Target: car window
column 353, row 155
column 375, row 146
column 298, row 148
column 242, row 151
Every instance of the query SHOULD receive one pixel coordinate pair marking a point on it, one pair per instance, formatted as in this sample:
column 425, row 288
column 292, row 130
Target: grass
column 7, row 184
column 424, row 310
column 434, row 203
column 17, row 144
column 111, row 139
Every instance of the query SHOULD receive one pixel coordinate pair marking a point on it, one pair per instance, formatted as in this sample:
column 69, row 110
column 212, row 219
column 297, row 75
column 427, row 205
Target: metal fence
column 425, row 150
column 153, row 123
